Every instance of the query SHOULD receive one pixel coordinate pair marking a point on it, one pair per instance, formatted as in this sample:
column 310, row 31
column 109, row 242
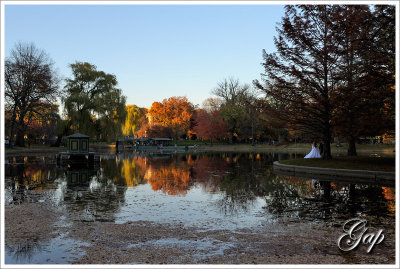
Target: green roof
column 78, row 135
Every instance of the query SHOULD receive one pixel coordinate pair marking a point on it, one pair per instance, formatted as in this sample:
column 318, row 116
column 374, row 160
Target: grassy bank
column 357, row 163
column 343, row 147
column 375, row 148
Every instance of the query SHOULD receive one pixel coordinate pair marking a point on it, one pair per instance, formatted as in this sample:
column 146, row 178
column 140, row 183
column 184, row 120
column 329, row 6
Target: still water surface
column 204, row 190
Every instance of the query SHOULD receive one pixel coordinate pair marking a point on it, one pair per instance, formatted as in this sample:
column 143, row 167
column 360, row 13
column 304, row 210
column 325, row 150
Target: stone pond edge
column 362, row 176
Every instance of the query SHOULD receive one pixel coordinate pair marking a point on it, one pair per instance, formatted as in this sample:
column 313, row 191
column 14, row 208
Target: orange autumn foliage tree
column 174, row 113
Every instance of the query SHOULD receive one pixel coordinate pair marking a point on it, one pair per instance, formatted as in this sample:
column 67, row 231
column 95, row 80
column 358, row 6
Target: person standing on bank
column 314, row 153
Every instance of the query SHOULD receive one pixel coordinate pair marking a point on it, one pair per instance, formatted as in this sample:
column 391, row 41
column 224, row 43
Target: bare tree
column 30, row 82
column 212, row 104
column 238, row 107
column 231, row 91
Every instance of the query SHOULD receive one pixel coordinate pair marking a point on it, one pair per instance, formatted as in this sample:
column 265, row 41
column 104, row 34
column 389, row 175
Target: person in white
column 314, row 153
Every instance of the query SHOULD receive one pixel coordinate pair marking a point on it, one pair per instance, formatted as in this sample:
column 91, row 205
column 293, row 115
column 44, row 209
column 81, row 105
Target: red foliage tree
column 210, row 126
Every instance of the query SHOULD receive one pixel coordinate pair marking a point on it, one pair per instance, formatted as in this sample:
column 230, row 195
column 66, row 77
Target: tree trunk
column 20, row 141
column 230, row 137
column 176, row 135
column 326, row 186
column 12, row 131
column 327, row 148
column 252, row 130
column 352, row 191
column 351, row 151
column 58, row 141
column 327, row 143
column 11, row 140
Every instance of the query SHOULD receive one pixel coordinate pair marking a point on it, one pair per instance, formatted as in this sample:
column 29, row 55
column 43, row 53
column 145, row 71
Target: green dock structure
column 78, row 151
column 78, row 143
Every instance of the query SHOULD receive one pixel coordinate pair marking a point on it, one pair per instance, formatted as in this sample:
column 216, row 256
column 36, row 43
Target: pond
column 69, row 213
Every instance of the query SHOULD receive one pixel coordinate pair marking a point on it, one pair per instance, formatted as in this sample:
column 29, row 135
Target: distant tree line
column 332, row 75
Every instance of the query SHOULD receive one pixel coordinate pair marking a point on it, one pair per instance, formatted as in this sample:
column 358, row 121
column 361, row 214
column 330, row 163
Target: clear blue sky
column 155, row 51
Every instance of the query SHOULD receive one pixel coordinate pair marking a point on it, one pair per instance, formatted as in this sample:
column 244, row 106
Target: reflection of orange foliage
column 141, row 163
column 190, row 160
column 230, row 158
column 235, row 159
column 170, row 180
column 338, row 186
column 168, row 177
column 174, row 176
column 389, row 194
column 35, row 177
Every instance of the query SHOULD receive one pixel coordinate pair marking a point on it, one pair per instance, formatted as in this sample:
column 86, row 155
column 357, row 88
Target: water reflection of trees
column 206, row 170
column 24, row 251
column 23, row 180
column 230, row 173
column 171, row 174
column 327, row 201
column 86, row 193
column 244, row 181
column 89, row 195
column 241, row 179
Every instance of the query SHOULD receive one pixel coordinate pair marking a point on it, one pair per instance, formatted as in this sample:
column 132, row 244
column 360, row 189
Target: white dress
column 314, row 153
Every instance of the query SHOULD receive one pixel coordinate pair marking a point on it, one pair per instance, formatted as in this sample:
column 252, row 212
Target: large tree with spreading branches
column 31, row 84
column 300, row 79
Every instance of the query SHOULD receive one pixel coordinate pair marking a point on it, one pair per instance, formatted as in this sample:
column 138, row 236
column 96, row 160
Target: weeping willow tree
column 135, row 118
column 93, row 104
